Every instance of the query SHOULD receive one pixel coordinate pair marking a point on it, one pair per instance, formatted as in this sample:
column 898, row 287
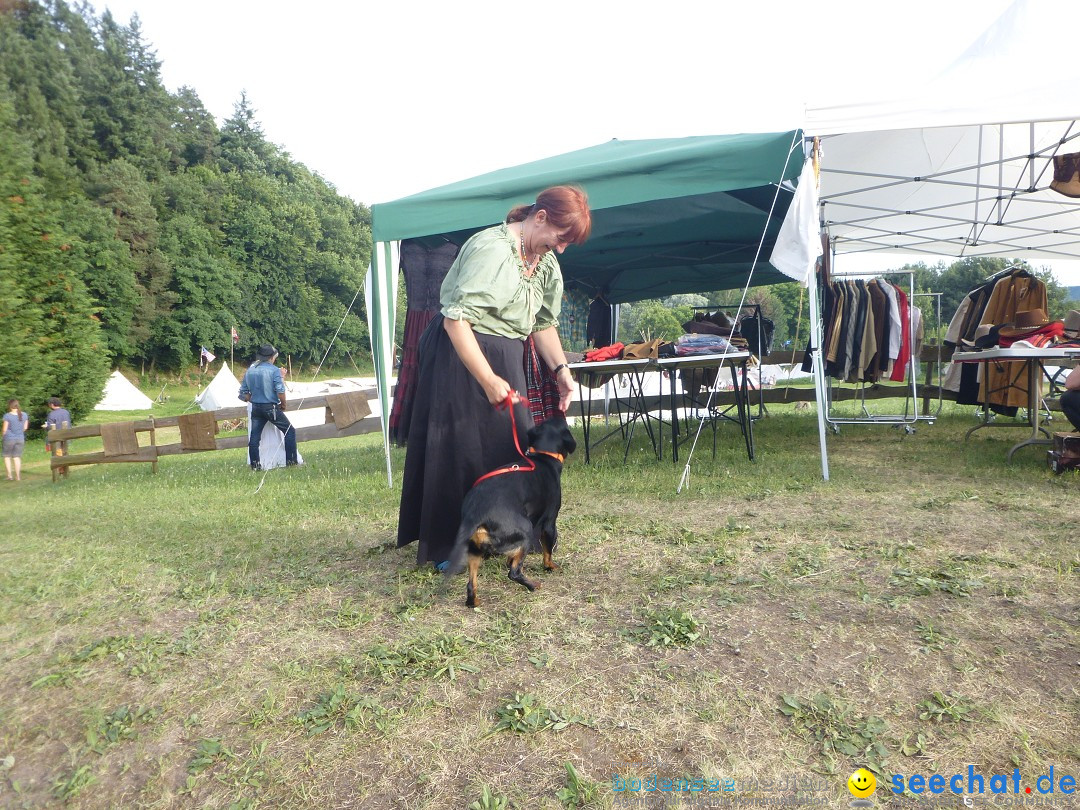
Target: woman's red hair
column 567, row 209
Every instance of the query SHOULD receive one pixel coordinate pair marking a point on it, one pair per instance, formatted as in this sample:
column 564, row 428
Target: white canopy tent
column 961, row 167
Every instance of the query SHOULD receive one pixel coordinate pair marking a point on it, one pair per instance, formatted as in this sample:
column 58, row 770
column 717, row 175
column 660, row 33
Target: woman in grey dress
column 14, row 439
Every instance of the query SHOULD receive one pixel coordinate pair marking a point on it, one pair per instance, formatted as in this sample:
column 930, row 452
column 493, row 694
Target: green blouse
column 486, row 286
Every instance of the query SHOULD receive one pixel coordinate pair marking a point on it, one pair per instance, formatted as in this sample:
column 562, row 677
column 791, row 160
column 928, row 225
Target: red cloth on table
column 612, row 352
column 1043, row 336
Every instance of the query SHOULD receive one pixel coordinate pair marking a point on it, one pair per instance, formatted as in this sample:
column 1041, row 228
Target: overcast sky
column 387, row 98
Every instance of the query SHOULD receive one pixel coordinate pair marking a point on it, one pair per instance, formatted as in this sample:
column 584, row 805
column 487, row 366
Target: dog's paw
column 550, row 566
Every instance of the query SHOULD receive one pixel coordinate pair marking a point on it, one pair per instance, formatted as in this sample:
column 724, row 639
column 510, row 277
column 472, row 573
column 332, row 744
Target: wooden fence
column 347, row 414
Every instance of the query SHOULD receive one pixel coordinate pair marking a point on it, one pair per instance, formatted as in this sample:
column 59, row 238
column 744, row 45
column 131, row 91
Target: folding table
column 1034, row 360
column 735, row 360
column 591, row 376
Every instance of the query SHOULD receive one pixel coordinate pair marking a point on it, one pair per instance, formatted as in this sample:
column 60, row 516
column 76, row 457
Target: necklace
column 529, row 267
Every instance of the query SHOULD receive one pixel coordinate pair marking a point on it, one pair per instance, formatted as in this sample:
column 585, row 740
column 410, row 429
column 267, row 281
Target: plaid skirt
column 416, row 322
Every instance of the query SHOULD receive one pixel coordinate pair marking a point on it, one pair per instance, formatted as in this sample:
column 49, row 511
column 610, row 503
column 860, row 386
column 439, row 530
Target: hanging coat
column 1006, row 383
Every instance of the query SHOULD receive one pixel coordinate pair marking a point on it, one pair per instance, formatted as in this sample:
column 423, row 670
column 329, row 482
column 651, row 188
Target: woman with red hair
column 504, row 286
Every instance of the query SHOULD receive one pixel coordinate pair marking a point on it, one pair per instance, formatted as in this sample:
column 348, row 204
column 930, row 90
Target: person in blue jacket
column 264, row 387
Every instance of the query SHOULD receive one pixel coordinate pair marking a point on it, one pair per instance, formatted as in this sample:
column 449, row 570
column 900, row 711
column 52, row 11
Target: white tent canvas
column 961, row 167
column 221, row 392
column 121, row 395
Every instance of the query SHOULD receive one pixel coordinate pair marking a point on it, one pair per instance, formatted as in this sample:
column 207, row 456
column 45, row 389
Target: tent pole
column 819, row 369
column 381, row 289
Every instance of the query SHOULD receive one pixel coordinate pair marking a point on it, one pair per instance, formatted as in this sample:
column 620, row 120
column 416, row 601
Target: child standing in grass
column 14, row 438
column 57, row 418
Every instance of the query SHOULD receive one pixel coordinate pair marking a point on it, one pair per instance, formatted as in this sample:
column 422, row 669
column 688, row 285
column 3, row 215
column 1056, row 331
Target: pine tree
column 55, row 345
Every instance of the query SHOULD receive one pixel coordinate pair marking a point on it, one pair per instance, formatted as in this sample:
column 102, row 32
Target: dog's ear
column 551, row 436
column 534, row 434
column 569, row 442
column 564, row 438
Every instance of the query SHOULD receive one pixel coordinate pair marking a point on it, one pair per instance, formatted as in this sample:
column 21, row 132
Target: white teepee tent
column 121, row 395
column 221, row 392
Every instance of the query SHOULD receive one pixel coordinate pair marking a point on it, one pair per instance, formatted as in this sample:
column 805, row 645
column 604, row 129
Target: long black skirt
column 454, row 437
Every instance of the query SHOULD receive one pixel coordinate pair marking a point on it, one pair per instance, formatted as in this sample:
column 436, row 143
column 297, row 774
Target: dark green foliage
column 134, row 230
column 52, row 337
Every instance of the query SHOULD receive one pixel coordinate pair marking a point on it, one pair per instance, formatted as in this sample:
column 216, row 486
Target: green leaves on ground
column 578, row 791
column 338, row 707
column 490, row 801
column 526, row 714
column 117, row 726
column 838, row 729
column 939, row 708
column 666, row 627
column 442, row 656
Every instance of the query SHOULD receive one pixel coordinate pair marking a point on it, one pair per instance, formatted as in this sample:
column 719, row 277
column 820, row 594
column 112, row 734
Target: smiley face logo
column 862, row 784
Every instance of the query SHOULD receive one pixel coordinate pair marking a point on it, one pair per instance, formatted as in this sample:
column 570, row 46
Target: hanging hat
column 266, row 352
column 1072, row 323
column 1067, row 175
column 1027, row 321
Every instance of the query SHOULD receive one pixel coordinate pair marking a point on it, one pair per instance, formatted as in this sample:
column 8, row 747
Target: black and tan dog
column 509, row 510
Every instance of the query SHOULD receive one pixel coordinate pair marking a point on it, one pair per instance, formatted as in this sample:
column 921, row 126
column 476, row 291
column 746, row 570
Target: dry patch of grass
column 180, row 640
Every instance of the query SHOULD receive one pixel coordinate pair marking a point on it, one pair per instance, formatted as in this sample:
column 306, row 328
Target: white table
column 1034, row 359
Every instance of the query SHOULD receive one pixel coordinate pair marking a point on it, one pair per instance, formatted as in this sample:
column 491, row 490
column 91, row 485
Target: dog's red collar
column 559, row 457
column 521, row 467
column 510, row 469
column 511, row 398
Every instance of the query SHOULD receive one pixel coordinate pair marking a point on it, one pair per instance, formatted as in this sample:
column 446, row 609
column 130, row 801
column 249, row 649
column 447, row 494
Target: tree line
column 134, row 229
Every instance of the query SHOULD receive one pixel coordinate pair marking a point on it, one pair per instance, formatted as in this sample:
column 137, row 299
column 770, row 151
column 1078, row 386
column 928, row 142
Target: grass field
column 194, row 639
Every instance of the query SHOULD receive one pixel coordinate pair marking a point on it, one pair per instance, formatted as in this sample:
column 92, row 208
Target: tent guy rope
column 685, row 479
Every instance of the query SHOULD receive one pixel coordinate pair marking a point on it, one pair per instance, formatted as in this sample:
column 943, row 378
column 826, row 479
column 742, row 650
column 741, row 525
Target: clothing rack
column 910, row 415
column 1000, row 274
column 933, row 414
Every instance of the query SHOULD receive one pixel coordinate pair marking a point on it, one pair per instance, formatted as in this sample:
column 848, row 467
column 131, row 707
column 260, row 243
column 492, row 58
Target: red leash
column 511, row 398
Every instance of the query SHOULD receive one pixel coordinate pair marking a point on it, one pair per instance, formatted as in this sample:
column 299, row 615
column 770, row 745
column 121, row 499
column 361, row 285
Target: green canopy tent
column 670, row 216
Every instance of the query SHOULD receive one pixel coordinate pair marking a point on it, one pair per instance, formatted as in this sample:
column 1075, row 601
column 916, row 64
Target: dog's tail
column 458, row 554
